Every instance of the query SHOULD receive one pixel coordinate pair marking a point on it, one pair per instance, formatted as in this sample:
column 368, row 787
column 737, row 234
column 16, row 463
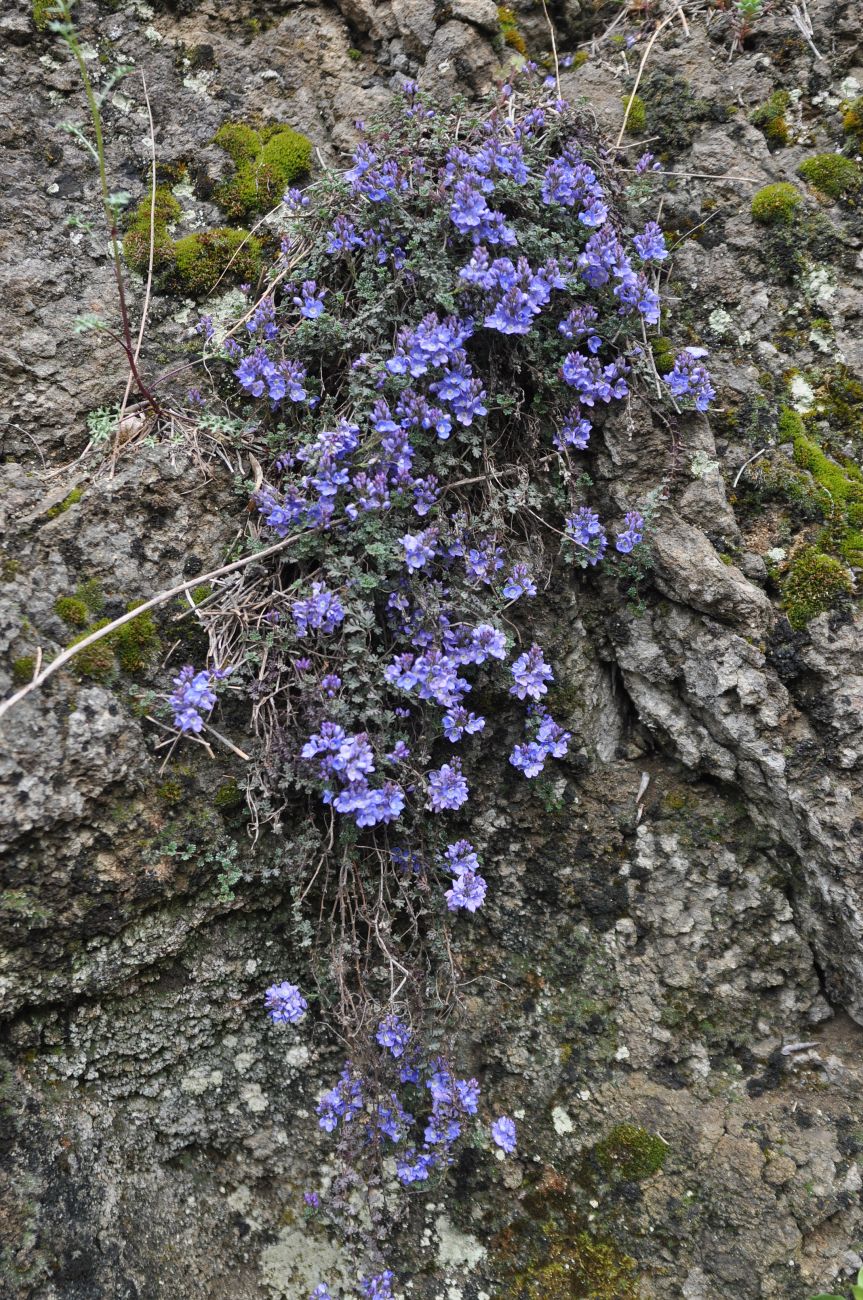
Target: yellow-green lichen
column 266, row 162
column 833, row 175
column 630, row 1152
column 509, row 30
column 769, row 117
column 776, row 204
column 72, row 610
column 202, row 260
column 636, row 114
column 814, row 584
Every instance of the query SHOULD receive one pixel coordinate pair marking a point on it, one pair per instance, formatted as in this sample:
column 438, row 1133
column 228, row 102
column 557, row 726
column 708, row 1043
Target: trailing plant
column 445, row 330
column 446, row 326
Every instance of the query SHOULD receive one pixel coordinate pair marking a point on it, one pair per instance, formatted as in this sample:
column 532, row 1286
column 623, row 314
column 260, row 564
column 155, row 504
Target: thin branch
column 163, row 596
column 645, row 56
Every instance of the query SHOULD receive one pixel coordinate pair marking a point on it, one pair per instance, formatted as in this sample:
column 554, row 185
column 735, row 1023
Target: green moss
column 135, row 643
column 201, row 592
column 852, row 118
column 241, row 143
column 630, row 1152
column 580, row 58
column 814, row 584
column 355, row 55
column 201, row 260
column 636, row 118
column 23, row 669
column 776, row 204
column 170, row 791
column 66, row 504
column 509, row 30
column 42, row 12
column 228, row 797
column 832, row 174
column 72, row 611
column 663, row 354
column 769, row 117
column 97, row 661
column 136, row 241
column 91, row 594
column 266, row 163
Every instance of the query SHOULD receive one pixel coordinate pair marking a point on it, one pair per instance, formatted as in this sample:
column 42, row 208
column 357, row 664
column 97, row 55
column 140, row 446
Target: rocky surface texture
column 675, row 933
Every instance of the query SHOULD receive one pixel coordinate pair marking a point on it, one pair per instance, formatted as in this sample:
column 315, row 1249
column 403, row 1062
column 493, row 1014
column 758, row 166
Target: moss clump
column 775, row 204
column 508, row 22
column 91, row 594
column 580, row 58
column 136, row 241
column 97, row 661
column 814, row 584
column 170, row 791
column 769, row 117
column 663, row 354
column 43, row 12
column 832, row 174
column 636, row 118
column 228, row 797
column 852, row 118
column 72, row 610
column 631, row 1152
column 66, row 504
column 23, row 669
column 201, row 260
column 266, row 163
column 135, row 643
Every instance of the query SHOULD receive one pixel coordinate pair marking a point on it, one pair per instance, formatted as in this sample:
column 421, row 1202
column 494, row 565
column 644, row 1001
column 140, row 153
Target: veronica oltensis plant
column 448, row 322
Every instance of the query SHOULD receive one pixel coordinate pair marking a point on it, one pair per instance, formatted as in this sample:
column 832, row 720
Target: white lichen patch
column 253, row 1098
column 720, row 321
column 802, row 394
column 199, row 1080
column 561, row 1121
column 297, row 1261
column 456, row 1249
column 819, row 285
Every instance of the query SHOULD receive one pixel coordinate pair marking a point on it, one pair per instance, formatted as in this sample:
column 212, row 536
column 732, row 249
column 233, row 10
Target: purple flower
column 503, row 1134
column 312, row 1200
column 320, row 1293
column 394, row 1034
column 321, row 610
column 689, row 378
column 531, row 672
column 633, row 533
column 447, row 788
column 379, row 1287
column 419, row 548
column 310, row 300
column 468, row 892
column 650, row 245
column 587, row 532
column 193, row 696
column 285, row 1004
column 330, row 684
column 459, row 721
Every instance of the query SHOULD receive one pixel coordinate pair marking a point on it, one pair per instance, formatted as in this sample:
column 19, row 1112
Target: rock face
column 673, row 952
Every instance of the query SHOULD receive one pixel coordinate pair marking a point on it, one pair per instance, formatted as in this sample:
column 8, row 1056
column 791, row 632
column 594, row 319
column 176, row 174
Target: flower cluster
column 468, row 888
column 194, row 695
column 548, row 740
column 285, row 1004
column 689, row 378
